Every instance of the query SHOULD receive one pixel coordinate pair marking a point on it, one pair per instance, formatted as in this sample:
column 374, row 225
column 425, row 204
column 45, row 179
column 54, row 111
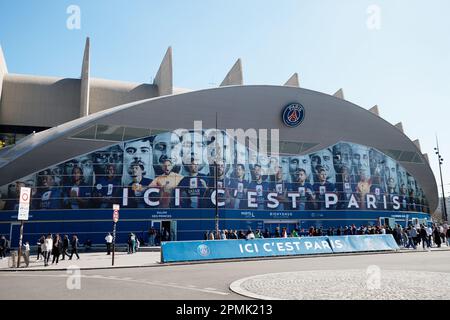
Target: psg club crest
column 203, row 250
column 293, row 114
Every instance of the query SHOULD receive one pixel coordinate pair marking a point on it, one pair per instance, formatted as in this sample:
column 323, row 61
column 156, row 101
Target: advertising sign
column 237, row 249
column 24, row 203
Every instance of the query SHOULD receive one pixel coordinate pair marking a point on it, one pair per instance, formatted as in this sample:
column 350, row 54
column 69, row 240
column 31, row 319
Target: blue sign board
column 360, row 243
column 234, row 249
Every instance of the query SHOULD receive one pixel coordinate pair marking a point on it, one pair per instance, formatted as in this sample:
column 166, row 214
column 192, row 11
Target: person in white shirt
column 250, row 235
column 48, row 246
column 429, row 234
column 109, row 240
column 26, row 253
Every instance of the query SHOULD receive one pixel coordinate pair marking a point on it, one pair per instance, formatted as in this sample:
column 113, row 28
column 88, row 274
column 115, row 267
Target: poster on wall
column 171, row 170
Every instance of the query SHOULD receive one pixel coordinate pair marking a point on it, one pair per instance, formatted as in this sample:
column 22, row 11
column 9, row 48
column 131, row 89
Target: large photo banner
column 173, row 170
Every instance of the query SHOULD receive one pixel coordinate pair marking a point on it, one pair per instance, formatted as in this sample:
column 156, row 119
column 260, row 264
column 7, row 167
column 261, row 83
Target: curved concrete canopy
column 328, row 120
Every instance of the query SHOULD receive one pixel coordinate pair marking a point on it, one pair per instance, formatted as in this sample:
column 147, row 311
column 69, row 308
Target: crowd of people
column 412, row 236
column 407, row 237
column 57, row 246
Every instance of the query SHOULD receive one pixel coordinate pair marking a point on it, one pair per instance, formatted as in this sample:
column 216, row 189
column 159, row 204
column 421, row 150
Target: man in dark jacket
column 65, row 247
column 437, row 237
column 424, row 237
column 2, row 247
column 74, row 244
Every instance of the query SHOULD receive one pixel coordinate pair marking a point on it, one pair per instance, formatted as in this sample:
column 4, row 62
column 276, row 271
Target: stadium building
column 85, row 144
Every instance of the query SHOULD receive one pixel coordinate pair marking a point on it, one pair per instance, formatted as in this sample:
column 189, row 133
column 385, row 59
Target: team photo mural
column 172, row 170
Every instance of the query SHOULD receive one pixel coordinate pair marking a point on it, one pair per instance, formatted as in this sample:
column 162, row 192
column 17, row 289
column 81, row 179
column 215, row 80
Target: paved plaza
column 360, row 284
column 411, row 274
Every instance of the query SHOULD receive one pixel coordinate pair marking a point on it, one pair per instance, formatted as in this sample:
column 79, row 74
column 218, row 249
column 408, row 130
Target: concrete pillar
column 375, row 110
column 3, row 69
column 399, row 126
column 339, row 94
column 293, row 81
column 417, row 143
column 85, row 80
column 234, row 76
column 164, row 76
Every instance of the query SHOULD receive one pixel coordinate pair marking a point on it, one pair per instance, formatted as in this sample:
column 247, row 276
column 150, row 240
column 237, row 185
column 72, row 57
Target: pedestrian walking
column 48, row 247
column 130, row 243
column 412, row 233
column 437, row 237
column 65, row 247
column 109, row 240
column 137, row 244
column 40, row 244
column 26, row 253
column 56, row 251
column 74, row 247
column 448, row 237
column 2, row 247
column 424, row 237
column 151, row 237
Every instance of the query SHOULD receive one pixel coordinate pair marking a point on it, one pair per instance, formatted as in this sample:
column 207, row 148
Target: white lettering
column 371, row 201
column 280, row 246
column 289, row 246
column 273, row 201
column 177, row 197
column 330, row 199
column 352, row 202
column 266, row 247
column 125, row 197
column 396, row 202
column 213, row 197
column 325, row 244
column 251, row 200
column 308, row 245
column 147, row 197
column 293, row 197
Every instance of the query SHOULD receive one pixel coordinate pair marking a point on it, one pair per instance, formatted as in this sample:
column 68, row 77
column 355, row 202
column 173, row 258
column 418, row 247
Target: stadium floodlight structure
column 441, row 161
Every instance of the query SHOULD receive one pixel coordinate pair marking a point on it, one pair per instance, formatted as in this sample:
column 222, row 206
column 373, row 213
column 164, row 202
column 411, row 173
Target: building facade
column 238, row 155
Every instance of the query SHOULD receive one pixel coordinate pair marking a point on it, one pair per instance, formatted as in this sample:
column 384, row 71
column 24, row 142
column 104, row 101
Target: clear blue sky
column 404, row 67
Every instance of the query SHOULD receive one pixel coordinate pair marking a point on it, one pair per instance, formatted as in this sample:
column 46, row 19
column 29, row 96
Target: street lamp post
column 217, row 204
column 441, row 160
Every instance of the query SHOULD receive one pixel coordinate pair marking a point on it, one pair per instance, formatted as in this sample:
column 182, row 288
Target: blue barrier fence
column 235, row 249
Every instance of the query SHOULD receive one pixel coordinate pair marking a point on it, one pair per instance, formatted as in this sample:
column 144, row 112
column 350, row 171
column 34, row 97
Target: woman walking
column 40, row 245
column 48, row 246
column 56, row 251
column 65, row 247
column 437, row 237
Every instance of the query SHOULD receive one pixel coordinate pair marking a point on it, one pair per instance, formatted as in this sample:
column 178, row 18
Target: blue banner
column 234, row 249
column 359, row 243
